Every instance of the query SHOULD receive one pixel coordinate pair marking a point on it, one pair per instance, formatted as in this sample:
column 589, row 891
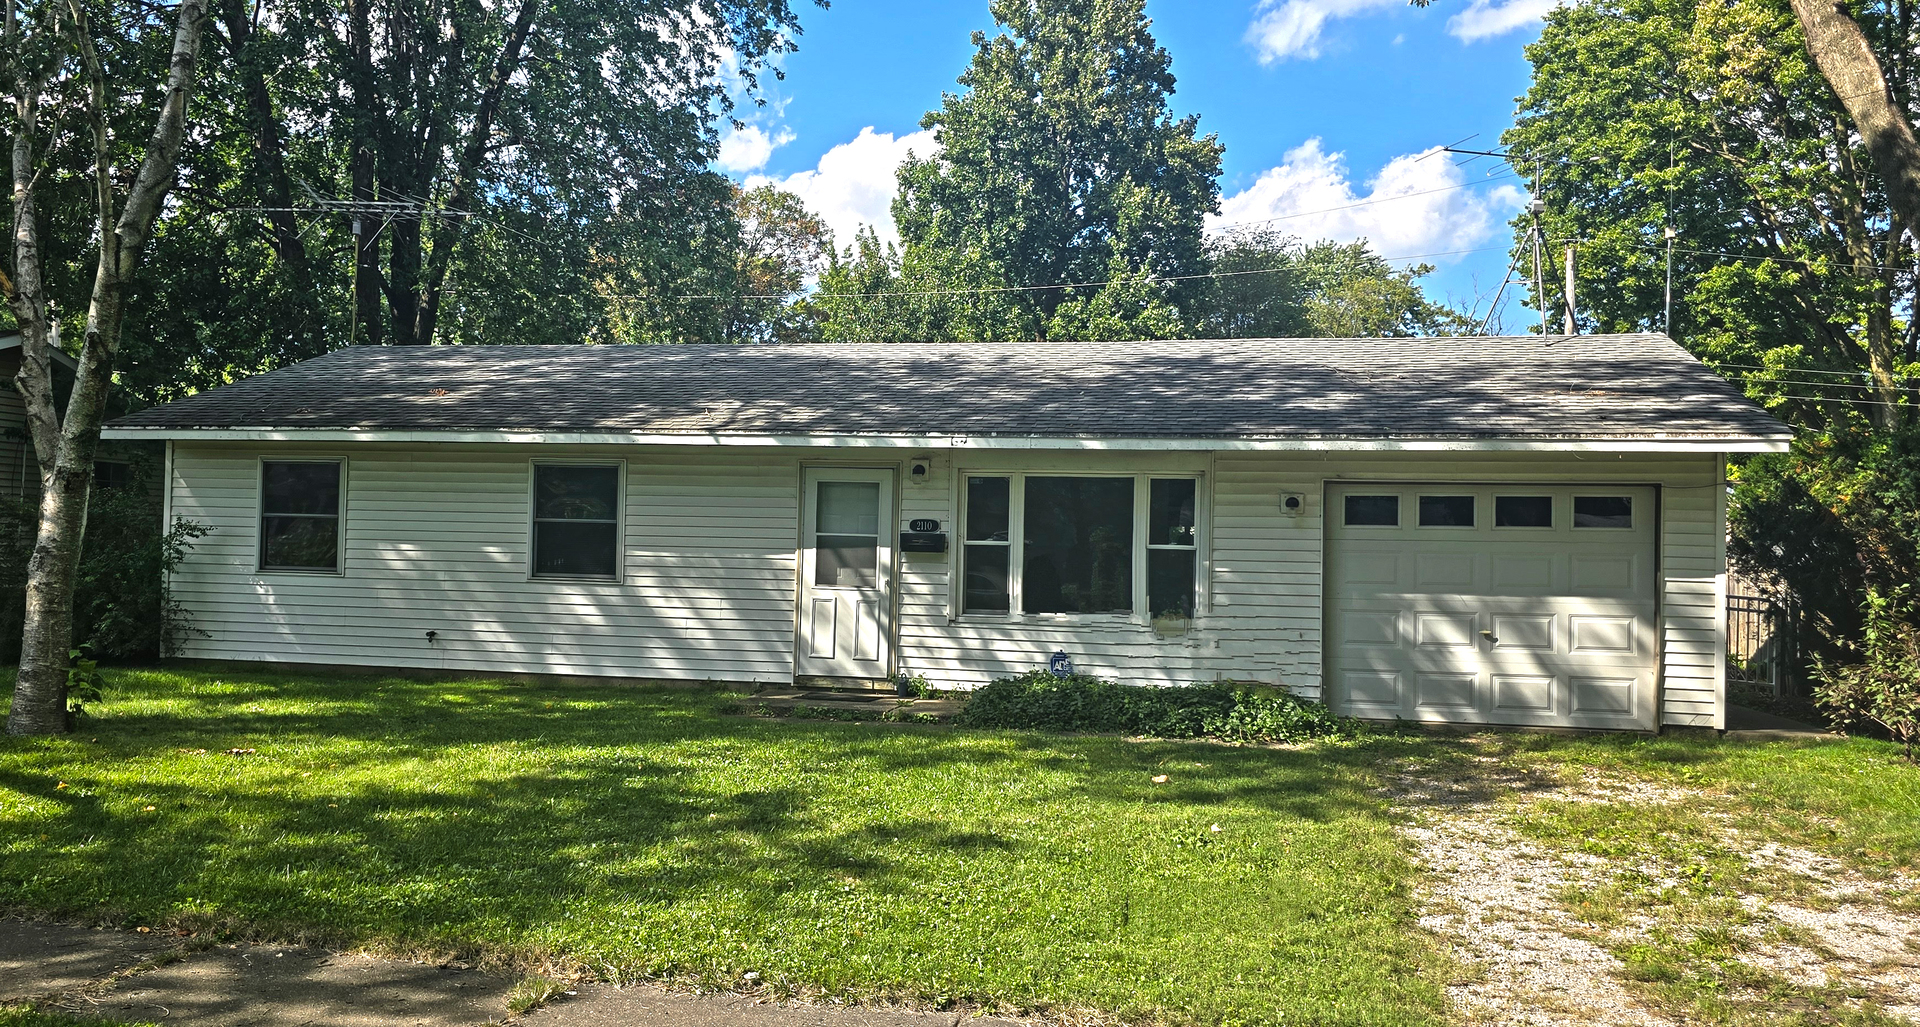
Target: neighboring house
column 19, row 471
column 1477, row 530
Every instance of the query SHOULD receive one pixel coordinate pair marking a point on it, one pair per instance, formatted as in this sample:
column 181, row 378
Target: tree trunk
column 65, row 446
column 40, row 692
column 1844, row 55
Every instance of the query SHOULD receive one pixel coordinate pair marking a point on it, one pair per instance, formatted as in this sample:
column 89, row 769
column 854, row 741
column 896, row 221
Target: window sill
column 577, row 579
column 305, row 572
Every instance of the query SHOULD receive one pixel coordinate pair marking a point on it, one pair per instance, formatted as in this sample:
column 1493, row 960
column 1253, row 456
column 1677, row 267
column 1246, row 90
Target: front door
column 846, row 574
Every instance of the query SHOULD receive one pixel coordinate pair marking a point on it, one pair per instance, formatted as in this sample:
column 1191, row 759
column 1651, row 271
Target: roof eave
column 1675, row 443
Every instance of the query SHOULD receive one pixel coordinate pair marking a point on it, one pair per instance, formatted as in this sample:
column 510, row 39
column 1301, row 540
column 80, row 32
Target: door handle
column 1489, row 636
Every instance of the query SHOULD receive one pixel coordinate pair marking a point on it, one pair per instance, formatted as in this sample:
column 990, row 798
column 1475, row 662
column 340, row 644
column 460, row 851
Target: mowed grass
column 641, row 833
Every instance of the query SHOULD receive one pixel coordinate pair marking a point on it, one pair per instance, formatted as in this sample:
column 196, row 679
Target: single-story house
column 1477, row 530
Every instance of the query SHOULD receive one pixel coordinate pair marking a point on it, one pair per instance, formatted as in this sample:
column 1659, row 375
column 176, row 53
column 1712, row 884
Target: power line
column 1792, row 370
column 1145, row 280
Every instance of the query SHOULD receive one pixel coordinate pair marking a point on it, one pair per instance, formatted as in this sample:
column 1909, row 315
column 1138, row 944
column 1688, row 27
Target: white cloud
column 1430, row 206
column 747, row 149
column 853, row 184
column 1484, row 19
column 1292, row 29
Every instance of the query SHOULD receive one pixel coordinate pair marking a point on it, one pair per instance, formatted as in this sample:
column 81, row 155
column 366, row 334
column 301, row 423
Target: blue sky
column 1320, row 104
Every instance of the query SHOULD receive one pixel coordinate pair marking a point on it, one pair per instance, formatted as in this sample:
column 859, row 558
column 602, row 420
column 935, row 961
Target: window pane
column 1079, row 546
column 1603, row 511
column 581, row 549
column 576, row 493
column 846, row 561
column 1446, row 511
column 300, row 488
column 987, row 510
column 1523, row 511
column 986, row 588
column 848, row 508
column 1170, row 512
column 302, row 543
column 112, row 474
column 1170, row 581
column 1371, row 511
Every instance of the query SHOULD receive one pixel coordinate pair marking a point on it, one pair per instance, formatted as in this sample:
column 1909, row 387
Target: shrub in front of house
column 1214, row 709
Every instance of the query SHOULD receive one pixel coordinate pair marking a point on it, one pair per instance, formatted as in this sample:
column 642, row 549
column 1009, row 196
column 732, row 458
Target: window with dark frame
column 112, row 474
column 1372, row 511
column 300, row 515
column 1173, row 546
column 1446, row 511
column 1603, row 511
column 1523, row 511
column 988, row 546
column 576, row 521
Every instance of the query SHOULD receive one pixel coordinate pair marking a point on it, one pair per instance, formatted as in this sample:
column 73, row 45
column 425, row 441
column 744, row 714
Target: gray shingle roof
column 1601, row 386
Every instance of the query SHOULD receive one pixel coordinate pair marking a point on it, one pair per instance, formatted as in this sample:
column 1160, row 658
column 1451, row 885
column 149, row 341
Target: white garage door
column 1493, row 605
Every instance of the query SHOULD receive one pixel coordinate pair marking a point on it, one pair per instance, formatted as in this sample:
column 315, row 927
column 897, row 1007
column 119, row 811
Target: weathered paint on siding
column 436, row 539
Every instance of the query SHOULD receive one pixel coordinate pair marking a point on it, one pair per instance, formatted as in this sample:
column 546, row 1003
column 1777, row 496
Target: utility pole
column 1666, row 324
column 1537, row 208
column 1571, row 328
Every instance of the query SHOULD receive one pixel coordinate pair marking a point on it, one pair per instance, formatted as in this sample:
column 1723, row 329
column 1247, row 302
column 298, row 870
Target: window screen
column 1523, row 511
column 1373, row 511
column 576, row 521
column 1603, row 511
column 1078, row 552
column 1446, row 511
column 989, row 517
column 1172, row 546
column 846, row 534
column 300, row 515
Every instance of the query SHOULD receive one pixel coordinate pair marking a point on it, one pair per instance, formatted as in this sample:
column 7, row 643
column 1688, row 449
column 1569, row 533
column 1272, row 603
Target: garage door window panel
column 1603, row 511
column 1523, row 511
column 1446, row 511
column 1372, row 511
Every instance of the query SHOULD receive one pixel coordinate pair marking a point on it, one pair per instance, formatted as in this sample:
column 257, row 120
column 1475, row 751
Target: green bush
column 1214, row 709
column 1881, row 686
column 122, row 608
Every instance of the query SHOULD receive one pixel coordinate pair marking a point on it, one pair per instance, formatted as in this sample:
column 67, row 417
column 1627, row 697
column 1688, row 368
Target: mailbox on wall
column 923, row 535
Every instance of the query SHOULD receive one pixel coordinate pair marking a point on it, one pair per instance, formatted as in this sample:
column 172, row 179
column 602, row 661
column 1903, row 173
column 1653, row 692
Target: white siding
column 436, row 539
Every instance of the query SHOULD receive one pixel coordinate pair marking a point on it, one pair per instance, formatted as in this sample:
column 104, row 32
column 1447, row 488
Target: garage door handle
column 1488, row 635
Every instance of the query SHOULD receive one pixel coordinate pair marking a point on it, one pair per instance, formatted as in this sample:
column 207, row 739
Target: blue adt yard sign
column 1060, row 665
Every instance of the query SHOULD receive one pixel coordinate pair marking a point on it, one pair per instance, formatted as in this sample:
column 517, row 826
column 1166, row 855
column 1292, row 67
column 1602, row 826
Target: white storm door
column 845, row 626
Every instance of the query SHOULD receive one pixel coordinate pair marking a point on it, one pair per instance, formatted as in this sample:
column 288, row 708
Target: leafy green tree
column 876, row 293
column 783, row 249
column 1709, row 118
column 1270, row 285
column 1059, row 164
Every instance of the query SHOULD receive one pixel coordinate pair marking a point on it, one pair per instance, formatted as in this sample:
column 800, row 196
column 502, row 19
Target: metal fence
column 1759, row 642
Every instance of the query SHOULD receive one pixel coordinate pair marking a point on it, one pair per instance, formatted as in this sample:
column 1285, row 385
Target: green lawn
column 640, row 833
